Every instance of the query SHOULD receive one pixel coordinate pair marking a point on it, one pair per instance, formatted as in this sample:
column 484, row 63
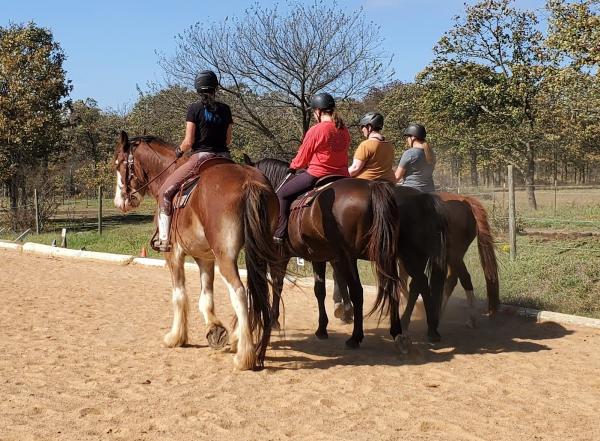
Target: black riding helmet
column 416, row 130
column 322, row 101
column 373, row 119
column 206, row 81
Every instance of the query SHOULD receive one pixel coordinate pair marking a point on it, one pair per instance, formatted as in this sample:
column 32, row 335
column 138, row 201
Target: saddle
column 306, row 199
column 186, row 190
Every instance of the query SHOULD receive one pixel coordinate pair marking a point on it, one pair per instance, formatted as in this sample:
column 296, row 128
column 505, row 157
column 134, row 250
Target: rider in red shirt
column 324, row 152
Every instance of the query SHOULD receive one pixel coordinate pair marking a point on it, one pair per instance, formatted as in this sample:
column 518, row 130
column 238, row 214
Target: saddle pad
column 184, row 194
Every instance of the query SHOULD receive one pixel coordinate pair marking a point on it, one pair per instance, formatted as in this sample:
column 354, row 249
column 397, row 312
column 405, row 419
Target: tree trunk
column 474, row 173
column 530, row 176
column 13, row 192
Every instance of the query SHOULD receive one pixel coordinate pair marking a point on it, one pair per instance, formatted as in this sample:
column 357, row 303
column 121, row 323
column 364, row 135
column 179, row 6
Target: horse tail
column 437, row 269
column 487, row 255
column 259, row 251
column 382, row 247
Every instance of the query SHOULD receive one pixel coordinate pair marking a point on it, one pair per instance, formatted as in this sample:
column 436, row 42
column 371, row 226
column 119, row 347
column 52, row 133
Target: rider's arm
column 228, row 136
column 190, row 133
column 356, row 167
column 361, row 156
column 400, row 173
column 305, row 152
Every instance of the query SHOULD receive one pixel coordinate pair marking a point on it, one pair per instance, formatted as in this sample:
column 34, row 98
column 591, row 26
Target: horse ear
column 124, row 140
column 248, row 161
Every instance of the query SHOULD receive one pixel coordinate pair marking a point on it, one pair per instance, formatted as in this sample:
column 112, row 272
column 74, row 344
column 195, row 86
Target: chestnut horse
column 233, row 207
column 350, row 219
column 467, row 219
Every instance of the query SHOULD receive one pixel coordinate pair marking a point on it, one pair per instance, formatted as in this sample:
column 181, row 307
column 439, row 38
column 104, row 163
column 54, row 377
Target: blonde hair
column 429, row 156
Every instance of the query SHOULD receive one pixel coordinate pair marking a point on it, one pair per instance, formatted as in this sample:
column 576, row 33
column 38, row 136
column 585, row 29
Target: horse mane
column 274, row 169
column 136, row 140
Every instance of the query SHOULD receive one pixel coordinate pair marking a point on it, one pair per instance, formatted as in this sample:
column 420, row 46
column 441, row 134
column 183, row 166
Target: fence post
column 555, row 193
column 63, row 238
column 100, row 210
column 37, row 211
column 512, row 227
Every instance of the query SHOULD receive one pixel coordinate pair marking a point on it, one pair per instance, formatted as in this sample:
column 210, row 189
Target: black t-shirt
column 211, row 127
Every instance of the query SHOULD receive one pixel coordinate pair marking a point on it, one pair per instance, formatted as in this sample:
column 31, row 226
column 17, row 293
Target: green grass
column 552, row 275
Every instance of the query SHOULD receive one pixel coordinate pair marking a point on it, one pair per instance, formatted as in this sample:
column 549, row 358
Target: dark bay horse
column 350, row 219
column 233, row 207
column 467, row 219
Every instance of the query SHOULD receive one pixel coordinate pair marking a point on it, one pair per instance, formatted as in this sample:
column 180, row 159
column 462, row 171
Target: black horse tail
column 260, row 251
column 487, row 255
column 437, row 270
column 382, row 248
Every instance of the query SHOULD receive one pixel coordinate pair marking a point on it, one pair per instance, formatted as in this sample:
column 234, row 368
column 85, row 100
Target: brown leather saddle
column 188, row 187
column 306, row 200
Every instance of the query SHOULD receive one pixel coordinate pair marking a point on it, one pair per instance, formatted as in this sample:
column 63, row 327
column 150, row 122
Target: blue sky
column 110, row 45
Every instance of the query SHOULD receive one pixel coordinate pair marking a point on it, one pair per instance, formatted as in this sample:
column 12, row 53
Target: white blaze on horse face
column 119, row 200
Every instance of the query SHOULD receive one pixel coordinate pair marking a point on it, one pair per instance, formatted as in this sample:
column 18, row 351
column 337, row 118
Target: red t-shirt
column 324, row 150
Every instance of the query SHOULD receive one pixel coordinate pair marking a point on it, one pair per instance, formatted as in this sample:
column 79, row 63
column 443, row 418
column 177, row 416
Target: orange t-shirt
column 378, row 158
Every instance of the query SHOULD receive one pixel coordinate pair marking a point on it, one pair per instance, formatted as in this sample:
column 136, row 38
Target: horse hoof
column 217, row 337
column 322, row 335
column 434, row 337
column 402, row 343
column 352, row 343
column 173, row 340
column 338, row 310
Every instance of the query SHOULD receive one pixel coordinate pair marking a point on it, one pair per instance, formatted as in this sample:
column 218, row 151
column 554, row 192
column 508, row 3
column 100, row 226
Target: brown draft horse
column 350, row 219
column 467, row 219
column 234, row 206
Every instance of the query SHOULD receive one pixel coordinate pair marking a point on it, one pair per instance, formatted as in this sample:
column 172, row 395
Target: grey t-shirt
column 419, row 173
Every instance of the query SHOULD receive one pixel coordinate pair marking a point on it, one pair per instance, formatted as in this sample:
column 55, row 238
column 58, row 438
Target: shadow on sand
column 300, row 349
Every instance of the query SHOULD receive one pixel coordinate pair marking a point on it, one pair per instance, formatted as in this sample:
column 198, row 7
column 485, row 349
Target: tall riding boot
column 164, row 227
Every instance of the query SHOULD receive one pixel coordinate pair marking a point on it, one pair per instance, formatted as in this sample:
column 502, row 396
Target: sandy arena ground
column 81, row 359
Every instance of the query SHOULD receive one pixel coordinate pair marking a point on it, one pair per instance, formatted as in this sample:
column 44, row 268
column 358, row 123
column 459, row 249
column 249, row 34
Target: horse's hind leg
column 277, row 276
column 320, row 292
column 467, row 284
column 245, row 357
column 216, row 333
column 349, row 271
column 177, row 336
column 413, row 295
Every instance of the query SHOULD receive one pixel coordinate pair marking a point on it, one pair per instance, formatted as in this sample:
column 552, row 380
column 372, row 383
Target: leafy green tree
column 575, row 30
column 32, row 98
column 494, row 34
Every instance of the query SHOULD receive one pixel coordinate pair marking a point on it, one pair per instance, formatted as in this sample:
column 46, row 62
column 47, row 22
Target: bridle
column 130, row 174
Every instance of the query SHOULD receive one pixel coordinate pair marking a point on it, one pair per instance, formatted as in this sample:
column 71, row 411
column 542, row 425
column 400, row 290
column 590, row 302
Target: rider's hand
column 178, row 153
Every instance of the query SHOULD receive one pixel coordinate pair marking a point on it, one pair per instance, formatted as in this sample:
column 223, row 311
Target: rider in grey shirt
column 417, row 163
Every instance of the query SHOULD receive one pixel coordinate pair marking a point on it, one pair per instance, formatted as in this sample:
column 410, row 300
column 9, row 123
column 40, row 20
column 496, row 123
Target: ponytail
column 208, row 100
column 337, row 119
column 429, row 156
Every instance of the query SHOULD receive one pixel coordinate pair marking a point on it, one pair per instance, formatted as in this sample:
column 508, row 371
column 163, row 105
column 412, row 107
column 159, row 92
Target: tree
column 32, row 99
column 271, row 62
column 575, row 30
column 496, row 35
column 88, row 139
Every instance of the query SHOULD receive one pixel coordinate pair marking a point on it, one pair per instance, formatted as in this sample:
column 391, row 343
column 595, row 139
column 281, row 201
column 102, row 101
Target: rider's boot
column 162, row 244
